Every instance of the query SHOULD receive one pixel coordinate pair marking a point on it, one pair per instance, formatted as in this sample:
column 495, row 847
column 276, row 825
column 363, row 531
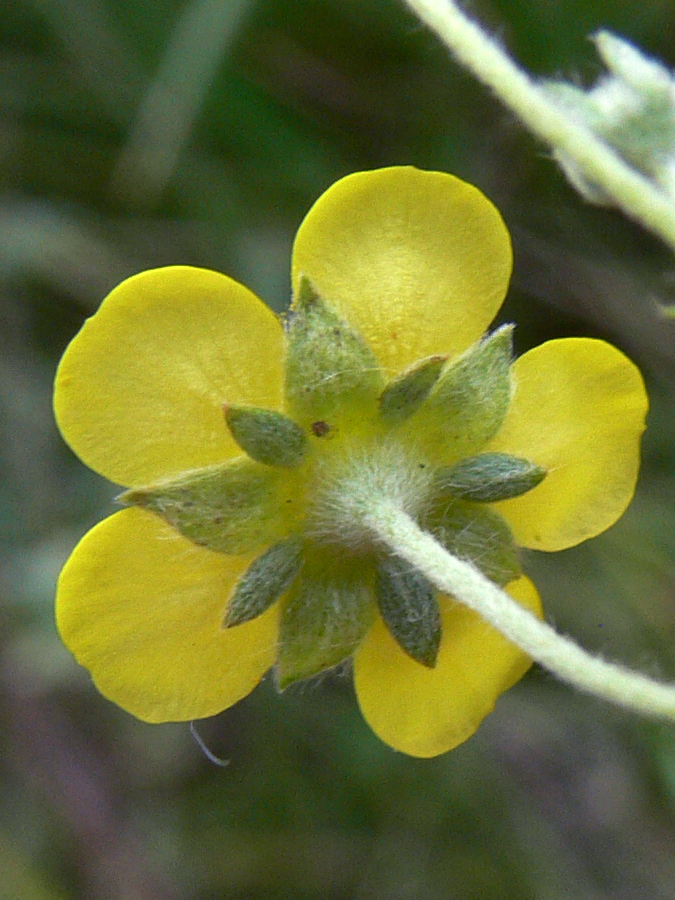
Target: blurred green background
column 138, row 133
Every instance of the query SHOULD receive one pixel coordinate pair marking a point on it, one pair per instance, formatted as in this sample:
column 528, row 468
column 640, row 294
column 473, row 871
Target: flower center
column 344, row 490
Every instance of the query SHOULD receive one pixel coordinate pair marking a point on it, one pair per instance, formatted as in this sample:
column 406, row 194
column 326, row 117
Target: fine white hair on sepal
column 344, row 493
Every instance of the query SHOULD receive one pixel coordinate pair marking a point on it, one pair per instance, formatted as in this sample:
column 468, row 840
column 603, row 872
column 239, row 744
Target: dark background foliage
column 137, row 133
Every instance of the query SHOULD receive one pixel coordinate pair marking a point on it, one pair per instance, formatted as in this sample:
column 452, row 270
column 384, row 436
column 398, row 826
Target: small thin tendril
column 216, row 760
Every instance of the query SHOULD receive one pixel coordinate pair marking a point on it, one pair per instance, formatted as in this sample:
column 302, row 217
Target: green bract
column 267, row 436
column 266, row 579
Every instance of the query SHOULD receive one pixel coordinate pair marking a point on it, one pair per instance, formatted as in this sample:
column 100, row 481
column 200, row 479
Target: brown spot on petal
column 320, row 429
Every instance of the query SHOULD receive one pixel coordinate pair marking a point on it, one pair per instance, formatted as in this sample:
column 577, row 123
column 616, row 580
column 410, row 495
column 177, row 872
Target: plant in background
column 632, row 109
column 351, row 482
column 615, row 142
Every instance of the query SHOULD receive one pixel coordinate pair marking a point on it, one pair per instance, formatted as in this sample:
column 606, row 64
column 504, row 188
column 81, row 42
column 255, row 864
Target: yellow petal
column 578, row 410
column 140, row 389
column 419, row 262
column 142, row 609
column 424, row 712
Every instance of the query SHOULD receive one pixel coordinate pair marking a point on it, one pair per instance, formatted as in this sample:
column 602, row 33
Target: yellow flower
column 378, row 382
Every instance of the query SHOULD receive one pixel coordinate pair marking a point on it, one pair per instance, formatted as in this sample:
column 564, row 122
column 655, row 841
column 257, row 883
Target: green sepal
column 234, row 507
column 469, row 402
column 269, row 437
column 266, row 579
column 326, row 616
column 405, row 394
column 478, row 535
column 329, row 366
column 408, row 605
column 489, row 477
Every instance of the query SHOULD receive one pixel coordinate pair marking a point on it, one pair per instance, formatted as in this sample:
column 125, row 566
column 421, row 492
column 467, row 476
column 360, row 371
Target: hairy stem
column 636, row 195
column 553, row 651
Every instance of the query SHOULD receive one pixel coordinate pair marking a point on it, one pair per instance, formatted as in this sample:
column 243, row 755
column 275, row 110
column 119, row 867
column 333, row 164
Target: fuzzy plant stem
column 638, row 197
column 560, row 655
